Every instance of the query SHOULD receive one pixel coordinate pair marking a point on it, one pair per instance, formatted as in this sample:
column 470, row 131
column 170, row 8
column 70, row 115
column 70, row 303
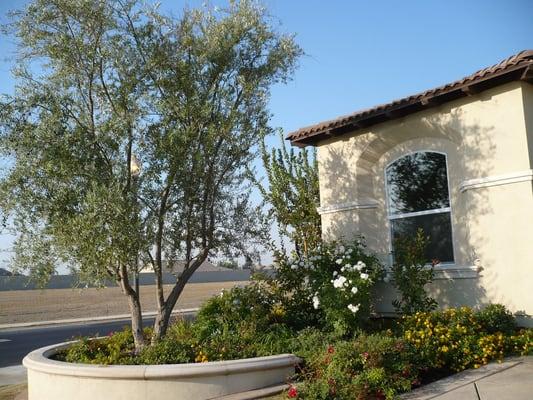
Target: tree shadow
column 353, row 193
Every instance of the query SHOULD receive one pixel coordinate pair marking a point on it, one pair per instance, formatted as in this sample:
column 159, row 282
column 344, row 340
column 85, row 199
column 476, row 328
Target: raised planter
column 56, row 380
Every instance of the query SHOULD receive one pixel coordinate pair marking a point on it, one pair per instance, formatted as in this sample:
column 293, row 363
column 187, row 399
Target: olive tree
column 128, row 136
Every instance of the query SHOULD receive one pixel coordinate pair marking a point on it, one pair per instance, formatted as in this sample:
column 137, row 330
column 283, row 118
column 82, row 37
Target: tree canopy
column 292, row 195
column 128, row 136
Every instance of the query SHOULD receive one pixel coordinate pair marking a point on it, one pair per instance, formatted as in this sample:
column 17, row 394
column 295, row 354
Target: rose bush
column 332, row 283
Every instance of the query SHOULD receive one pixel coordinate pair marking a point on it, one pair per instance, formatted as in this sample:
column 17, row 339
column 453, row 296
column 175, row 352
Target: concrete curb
column 89, row 319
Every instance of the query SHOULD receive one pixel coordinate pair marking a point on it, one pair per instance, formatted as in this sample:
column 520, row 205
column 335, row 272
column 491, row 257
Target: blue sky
column 362, row 53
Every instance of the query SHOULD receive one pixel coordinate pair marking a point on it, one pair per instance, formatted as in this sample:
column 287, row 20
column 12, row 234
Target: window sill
column 452, row 271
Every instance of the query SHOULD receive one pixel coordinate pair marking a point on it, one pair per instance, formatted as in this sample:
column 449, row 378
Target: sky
column 363, row 53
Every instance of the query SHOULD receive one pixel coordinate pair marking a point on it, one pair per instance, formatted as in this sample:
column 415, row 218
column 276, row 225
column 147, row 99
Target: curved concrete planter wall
column 55, row 380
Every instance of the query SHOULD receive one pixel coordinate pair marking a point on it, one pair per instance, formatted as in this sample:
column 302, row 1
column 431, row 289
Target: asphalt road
column 15, row 344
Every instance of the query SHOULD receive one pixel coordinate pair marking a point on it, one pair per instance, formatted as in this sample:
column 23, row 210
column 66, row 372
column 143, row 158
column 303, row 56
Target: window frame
column 391, row 217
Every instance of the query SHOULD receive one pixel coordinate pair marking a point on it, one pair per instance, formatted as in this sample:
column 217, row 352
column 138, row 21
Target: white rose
column 339, row 261
column 316, row 302
column 353, row 308
column 364, row 276
column 339, row 282
column 354, row 290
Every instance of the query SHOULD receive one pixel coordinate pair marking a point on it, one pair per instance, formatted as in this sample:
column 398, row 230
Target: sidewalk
column 12, row 375
column 510, row 380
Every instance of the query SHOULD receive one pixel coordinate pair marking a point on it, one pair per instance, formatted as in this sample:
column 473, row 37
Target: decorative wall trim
column 496, row 180
column 354, row 205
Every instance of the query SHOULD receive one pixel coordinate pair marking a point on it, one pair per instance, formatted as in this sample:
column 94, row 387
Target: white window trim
column 390, row 217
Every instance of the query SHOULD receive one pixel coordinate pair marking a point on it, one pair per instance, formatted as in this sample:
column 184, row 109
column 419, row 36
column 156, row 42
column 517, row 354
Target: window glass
column 418, row 182
column 437, row 226
column 418, row 198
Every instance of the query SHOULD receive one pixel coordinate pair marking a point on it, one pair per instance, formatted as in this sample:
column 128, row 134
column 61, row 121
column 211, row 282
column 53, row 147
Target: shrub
column 369, row 366
column 243, row 322
column 522, row 342
column 116, row 348
column 175, row 348
column 167, row 351
column 411, row 274
column 496, row 318
column 457, row 339
column 332, row 285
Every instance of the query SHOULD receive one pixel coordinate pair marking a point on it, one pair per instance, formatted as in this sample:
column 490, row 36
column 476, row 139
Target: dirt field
column 52, row 304
column 13, row 392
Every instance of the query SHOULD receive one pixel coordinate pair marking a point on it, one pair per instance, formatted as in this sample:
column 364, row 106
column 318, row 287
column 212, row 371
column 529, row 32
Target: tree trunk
column 163, row 315
column 162, row 318
column 135, row 309
column 136, row 322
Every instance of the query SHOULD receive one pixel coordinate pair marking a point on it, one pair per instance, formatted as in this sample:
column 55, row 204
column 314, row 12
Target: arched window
column 418, row 197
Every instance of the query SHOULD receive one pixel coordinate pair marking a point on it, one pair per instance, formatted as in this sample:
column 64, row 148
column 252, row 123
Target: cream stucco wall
column 488, row 141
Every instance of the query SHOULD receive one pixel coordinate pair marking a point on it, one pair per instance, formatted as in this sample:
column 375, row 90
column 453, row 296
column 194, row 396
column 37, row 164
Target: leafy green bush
column 175, row 348
column 457, row 339
column 332, row 285
column 496, row 318
column 410, row 275
column 243, row 322
column 167, row 351
column 116, row 348
column 369, row 366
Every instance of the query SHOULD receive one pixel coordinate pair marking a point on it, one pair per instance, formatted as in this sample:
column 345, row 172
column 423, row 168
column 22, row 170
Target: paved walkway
column 12, row 375
column 510, row 380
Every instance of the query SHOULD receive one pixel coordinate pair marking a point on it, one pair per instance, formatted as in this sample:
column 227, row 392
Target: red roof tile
column 517, row 67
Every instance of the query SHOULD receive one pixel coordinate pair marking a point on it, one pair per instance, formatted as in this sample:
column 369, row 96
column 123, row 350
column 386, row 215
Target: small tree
column 128, row 136
column 410, row 274
column 292, row 194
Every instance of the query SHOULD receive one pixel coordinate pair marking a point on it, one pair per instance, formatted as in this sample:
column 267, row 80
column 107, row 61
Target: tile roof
column 517, row 67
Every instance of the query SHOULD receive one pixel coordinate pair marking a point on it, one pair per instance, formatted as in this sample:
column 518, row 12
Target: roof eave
column 523, row 72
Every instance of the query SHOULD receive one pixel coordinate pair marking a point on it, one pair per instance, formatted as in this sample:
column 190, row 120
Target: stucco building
column 456, row 161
